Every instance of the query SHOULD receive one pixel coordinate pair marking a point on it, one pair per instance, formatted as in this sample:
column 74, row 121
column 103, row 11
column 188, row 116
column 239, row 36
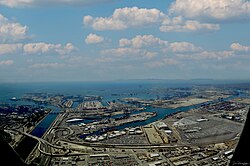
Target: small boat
column 13, row 99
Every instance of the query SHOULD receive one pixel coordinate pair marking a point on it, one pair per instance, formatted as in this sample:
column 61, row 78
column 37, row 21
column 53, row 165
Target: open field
column 188, row 102
column 153, row 135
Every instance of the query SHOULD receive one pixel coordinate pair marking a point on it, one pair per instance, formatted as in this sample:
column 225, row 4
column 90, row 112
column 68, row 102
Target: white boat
column 13, row 99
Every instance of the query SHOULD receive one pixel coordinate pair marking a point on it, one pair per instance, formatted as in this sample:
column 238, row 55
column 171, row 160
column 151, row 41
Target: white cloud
column 36, row 48
column 148, row 47
column 6, row 63
column 104, row 59
column 149, row 55
column 88, row 20
column 93, row 39
column 16, row 3
column 149, row 42
column 239, row 47
column 11, row 31
column 211, row 9
column 134, row 52
column 101, row 23
column 68, row 48
column 124, row 42
column 182, row 47
column 123, row 18
column 143, row 41
column 216, row 54
column 10, row 48
column 120, row 51
column 237, row 51
column 178, row 24
column 219, row 55
column 31, row 3
column 170, row 61
column 41, row 48
column 163, row 62
column 47, row 65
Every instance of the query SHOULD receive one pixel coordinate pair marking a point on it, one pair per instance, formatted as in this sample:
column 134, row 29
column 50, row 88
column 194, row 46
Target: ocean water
column 142, row 89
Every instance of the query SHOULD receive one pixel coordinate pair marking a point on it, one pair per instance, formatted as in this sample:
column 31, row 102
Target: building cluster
column 90, row 105
column 223, row 106
column 103, row 159
column 208, row 155
column 234, row 111
column 59, row 100
column 114, row 134
column 104, row 129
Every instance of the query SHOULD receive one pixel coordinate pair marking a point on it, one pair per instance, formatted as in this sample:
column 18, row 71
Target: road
column 45, row 147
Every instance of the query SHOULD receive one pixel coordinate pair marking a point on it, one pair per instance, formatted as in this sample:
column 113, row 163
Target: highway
column 125, row 146
column 46, row 148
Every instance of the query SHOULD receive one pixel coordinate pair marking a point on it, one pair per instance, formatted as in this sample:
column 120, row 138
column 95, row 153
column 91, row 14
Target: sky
column 101, row 40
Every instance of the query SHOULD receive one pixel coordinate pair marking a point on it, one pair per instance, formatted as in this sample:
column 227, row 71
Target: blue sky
column 99, row 40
